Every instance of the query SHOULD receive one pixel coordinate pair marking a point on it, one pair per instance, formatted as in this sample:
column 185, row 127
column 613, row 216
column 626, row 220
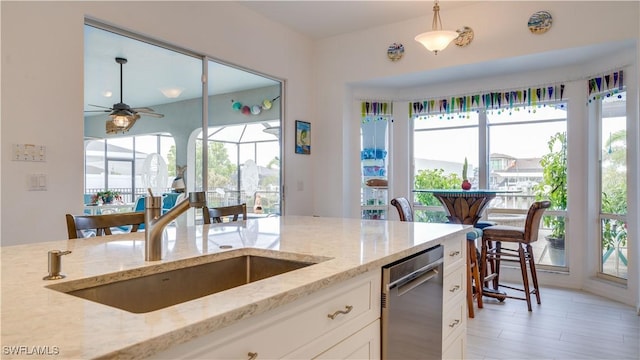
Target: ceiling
column 332, row 18
column 145, row 74
column 151, row 68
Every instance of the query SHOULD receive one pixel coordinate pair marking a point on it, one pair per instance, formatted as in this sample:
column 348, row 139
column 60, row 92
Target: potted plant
column 106, row 197
column 554, row 188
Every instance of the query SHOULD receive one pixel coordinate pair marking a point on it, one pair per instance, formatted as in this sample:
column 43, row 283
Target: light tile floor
column 569, row 324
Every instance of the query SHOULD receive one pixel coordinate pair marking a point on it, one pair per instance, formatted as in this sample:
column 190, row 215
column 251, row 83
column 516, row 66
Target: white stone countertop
column 38, row 322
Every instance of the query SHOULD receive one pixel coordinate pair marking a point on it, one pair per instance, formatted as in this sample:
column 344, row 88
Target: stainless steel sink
column 159, row 290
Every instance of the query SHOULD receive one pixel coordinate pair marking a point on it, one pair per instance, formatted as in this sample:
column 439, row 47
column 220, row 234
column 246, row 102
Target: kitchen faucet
column 155, row 223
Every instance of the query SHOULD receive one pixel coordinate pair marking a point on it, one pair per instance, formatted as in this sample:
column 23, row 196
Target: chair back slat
column 532, row 223
column 404, row 208
column 102, row 224
column 234, row 211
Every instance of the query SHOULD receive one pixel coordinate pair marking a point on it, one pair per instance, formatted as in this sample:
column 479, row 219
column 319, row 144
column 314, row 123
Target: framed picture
column 303, row 137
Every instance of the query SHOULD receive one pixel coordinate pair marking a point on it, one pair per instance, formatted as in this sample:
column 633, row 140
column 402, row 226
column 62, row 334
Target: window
column 513, row 141
column 112, row 163
column 613, row 185
column 374, row 159
column 441, row 143
column 158, row 148
column 527, row 153
column 244, row 166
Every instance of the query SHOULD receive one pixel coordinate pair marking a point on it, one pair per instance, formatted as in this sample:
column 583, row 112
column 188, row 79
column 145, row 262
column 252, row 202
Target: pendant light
column 436, row 39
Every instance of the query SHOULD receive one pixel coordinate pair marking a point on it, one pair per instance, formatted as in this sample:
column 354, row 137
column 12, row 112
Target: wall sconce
column 436, row 39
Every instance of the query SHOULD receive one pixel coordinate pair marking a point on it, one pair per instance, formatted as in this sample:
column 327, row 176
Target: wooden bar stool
column 473, row 271
column 493, row 253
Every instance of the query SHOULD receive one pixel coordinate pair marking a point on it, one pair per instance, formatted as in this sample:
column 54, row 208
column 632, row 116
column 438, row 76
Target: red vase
column 466, row 185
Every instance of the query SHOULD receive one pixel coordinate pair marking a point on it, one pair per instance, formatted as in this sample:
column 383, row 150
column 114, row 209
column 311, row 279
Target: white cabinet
column 340, row 322
column 454, row 317
column 306, row 328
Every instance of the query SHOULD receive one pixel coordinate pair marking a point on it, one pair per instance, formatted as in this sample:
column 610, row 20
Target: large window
column 164, row 87
column 613, row 185
column 519, row 148
column 440, row 146
column 244, row 166
column 527, row 152
column 129, row 165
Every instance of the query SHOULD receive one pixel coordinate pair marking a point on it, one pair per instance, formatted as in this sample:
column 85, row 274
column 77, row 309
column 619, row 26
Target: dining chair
column 405, row 211
column 493, row 253
column 233, row 211
column 102, row 224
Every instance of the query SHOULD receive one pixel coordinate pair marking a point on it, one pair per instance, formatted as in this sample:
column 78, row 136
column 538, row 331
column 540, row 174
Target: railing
column 270, row 200
column 127, row 195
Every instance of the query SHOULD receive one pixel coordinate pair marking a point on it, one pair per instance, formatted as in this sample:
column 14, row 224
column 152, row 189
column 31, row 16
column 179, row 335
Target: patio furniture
column 233, row 212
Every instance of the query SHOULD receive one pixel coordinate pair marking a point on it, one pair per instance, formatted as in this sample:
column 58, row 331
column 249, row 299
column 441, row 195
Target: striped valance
column 376, row 110
column 491, row 100
column 606, row 84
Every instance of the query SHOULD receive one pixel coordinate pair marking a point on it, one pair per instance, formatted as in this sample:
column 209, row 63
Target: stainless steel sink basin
column 159, row 290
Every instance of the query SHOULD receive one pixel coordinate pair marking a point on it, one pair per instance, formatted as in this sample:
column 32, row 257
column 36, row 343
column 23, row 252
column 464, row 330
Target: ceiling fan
column 122, row 115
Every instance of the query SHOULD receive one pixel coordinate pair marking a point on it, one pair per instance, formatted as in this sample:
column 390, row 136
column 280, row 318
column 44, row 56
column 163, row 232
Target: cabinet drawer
column 278, row 332
column 456, row 349
column 365, row 344
column 454, row 318
column 454, row 252
column 454, row 284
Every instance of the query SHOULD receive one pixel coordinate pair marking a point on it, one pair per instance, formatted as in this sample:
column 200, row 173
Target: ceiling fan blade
column 152, row 114
column 143, row 109
column 102, row 111
column 104, row 107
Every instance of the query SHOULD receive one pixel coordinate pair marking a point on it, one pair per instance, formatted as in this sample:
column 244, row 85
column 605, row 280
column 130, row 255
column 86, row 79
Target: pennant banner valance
column 492, row 100
column 607, row 84
column 376, row 110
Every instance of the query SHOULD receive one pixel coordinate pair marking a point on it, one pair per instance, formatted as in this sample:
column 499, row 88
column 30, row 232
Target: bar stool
column 493, row 253
column 405, row 211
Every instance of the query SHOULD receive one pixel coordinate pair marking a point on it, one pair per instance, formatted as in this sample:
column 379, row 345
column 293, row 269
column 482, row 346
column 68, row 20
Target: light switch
column 37, row 182
column 29, row 152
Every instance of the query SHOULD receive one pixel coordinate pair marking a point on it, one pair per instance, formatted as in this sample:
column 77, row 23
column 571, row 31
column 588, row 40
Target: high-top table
column 463, row 206
column 466, row 207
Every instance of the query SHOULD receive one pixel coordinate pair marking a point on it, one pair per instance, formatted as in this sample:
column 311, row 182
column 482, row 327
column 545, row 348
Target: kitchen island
column 37, row 320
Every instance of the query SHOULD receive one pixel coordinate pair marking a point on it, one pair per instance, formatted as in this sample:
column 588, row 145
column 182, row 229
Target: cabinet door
column 365, row 344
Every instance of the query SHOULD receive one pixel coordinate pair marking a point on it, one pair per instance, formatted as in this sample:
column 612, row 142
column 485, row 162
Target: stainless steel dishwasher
column 412, row 306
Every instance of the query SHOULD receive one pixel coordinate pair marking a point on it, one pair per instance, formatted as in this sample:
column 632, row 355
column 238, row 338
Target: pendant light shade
column 436, row 39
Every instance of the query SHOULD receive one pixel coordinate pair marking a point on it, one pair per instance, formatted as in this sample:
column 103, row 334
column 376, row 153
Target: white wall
column 42, row 93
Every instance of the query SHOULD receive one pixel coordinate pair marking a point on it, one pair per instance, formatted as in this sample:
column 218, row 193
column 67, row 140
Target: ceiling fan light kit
column 122, row 116
column 436, row 39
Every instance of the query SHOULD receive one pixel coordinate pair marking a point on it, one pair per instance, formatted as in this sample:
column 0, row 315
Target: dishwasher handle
column 416, row 278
